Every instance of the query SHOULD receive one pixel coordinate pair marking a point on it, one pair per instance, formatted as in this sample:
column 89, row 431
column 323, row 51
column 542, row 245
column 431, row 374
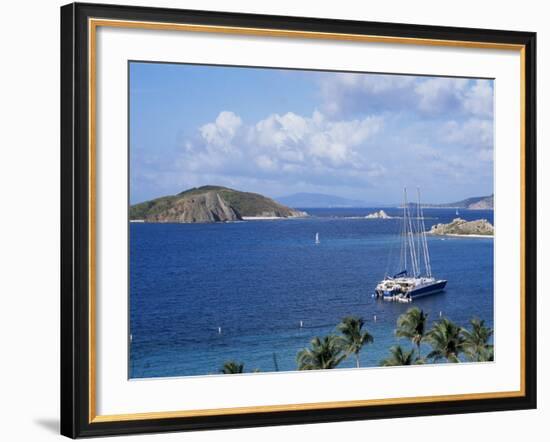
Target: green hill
column 210, row 204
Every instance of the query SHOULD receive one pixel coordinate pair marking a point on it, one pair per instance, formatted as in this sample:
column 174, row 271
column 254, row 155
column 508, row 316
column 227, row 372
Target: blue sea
column 257, row 281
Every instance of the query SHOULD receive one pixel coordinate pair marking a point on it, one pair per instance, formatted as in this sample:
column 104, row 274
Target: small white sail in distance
column 317, row 241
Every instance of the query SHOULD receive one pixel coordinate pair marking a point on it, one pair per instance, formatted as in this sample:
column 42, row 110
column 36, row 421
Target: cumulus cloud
column 436, row 94
column 221, row 132
column 347, row 93
column 290, row 145
column 478, row 99
column 472, row 132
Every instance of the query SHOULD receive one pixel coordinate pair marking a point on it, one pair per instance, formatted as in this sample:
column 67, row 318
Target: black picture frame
column 75, row 219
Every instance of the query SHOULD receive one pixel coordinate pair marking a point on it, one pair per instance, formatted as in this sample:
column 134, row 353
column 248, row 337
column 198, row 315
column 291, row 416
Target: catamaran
column 411, row 281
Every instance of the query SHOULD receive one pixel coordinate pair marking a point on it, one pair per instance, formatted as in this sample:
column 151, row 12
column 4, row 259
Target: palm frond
column 446, row 340
column 354, row 338
column 477, row 345
column 323, row 353
column 232, row 367
column 398, row 356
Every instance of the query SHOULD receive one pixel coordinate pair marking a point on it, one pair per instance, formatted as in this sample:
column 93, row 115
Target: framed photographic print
column 279, row 220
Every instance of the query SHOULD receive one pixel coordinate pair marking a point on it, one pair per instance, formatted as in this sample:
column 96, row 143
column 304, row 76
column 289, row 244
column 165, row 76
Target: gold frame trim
column 93, row 24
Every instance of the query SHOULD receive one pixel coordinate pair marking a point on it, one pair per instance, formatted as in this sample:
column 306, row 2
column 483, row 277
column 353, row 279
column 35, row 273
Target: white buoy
column 301, row 324
column 219, row 330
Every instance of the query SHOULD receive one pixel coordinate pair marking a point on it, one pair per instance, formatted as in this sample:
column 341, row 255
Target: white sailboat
column 317, row 241
column 414, row 282
column 456, row 213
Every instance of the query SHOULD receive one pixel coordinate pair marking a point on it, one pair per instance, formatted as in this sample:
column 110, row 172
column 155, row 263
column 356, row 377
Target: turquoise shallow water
column 258, row 279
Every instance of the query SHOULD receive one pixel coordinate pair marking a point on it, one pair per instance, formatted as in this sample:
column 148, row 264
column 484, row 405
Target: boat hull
column 397, row 293
column 427, row 289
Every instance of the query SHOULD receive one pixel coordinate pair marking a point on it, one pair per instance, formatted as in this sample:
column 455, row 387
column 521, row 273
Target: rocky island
column 461, row 227
column 210, row 204
column 378, row 215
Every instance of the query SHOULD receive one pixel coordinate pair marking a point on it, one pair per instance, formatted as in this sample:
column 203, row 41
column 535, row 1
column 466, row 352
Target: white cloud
column 288, row 145
column 356, row 93
column 473, row 132
column 347, row 92
column 222, row 131
column 478, row 99
column 435, row 94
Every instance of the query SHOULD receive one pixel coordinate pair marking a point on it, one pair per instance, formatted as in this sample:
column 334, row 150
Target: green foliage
column 324, row 353
column 476, row 342
column 446, row 340
column 232, row 367
column 412, row 325
column 151, row 208
column 398, row 356
column 353, row 336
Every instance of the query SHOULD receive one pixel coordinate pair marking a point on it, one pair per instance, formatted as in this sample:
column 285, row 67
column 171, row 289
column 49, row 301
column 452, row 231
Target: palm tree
column 400, row 357
column 412, row 325
column 232, row 367
column 324, row 353
column 476, row 342
column 354, row 338
column 446, row 340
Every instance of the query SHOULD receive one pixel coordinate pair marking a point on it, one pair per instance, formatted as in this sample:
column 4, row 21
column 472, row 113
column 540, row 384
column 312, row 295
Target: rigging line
column 404, row 231
column 414, row 262
column 416, row 258
column 391, row 251
column 429, row 264
column 426, row 246
column 424, row 239
column 418, row 229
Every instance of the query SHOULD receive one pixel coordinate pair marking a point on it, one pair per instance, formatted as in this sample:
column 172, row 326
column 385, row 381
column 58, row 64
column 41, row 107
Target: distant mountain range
column 311, row 200
column 473, row 203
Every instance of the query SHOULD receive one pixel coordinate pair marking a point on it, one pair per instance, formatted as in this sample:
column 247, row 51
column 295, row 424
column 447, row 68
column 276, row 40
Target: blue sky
column 278, row 132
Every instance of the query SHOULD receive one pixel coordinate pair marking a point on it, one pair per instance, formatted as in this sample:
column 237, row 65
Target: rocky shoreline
column 461, row 227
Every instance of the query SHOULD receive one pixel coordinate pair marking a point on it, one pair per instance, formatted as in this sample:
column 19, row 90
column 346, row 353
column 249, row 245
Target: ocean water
column 256, row 280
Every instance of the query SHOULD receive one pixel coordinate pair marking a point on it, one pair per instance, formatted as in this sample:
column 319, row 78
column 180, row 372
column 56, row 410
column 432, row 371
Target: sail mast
column 419, row 243
column 403, row 257
column 422, row 232
column 414, row 261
